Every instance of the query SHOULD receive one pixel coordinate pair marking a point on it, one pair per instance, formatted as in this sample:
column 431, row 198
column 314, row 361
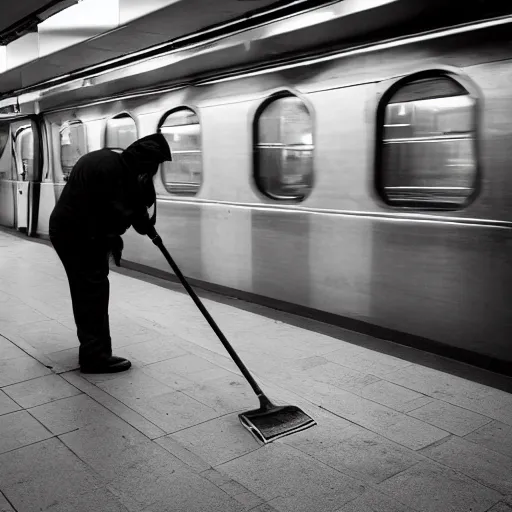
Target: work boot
column 112, row 364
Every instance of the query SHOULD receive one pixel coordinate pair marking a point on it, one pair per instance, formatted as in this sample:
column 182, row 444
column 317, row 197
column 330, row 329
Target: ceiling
column 176, row 20
column 18, row 17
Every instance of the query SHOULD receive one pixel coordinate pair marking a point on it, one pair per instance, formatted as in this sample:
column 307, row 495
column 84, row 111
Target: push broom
column 269, row 422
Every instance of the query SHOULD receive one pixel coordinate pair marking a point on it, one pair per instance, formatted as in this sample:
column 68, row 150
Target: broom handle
column 158, row 242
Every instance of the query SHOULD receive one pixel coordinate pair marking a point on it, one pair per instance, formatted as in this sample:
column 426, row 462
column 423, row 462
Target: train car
column 366, row 185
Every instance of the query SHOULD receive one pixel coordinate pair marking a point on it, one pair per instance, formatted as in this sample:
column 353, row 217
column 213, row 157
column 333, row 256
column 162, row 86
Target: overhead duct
column 23, row 17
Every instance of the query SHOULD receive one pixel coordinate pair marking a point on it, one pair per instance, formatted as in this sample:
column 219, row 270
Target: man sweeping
column 106, row 193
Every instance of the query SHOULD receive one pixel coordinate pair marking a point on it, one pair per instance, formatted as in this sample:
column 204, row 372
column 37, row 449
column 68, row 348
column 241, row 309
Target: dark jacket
column 103, row 196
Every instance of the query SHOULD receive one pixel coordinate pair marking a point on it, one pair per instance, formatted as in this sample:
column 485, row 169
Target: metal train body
column 436, row 274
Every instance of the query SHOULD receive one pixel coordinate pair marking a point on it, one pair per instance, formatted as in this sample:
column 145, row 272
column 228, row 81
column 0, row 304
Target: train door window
column 5, row 162
column 284, row 149
column 73, row 145
column 121, row 132
column 427, row 145
column 183, row 176
column 25, row 153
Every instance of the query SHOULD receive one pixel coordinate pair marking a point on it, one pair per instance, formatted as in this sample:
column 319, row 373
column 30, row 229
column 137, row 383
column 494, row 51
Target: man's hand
column 144, row 225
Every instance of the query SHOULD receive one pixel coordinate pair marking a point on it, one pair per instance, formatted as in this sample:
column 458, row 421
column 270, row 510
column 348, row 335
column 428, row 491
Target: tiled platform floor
column 398, row 430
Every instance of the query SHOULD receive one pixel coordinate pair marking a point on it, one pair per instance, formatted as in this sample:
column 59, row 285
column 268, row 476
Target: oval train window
column 121, row 132
column 73, row 145
column 24, row 144
column 284, row 149
column 183, row 176
column 428, row 150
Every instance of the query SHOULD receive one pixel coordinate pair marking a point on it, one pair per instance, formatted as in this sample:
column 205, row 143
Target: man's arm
column 117, row 205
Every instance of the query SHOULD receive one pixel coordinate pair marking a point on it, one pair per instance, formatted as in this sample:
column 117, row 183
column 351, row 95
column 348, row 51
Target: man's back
column 81, row 211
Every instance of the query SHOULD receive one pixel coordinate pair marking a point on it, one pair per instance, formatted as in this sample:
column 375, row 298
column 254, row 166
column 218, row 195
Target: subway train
column 365, row 184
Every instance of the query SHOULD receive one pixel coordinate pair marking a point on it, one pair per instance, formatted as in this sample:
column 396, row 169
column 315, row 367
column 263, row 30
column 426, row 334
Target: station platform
column 398, row 430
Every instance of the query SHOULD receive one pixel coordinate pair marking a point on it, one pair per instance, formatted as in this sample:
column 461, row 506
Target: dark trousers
column 86, row 266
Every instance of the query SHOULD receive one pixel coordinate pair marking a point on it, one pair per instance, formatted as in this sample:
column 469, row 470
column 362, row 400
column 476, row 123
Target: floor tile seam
column 62, row 371
column 157, row 394
column 392, row 497
column 302, row 454
column 488, row 388
column 150, row 341
column 276, row 391
column 419, row 406
column 410, row 451
column 484, row 445
column 157, row 378
column 458, row 473
column 9, row 293
column 380, row 433
column 266, row 383
column 190, row 382
column 27, row 380
column 194, row 426
column 394, row 475
column 53, row 436
column 220, row 464
column 9, row 502
column 80, row 393
column 261, row 505
column 372, row 485
column 34, row 353
column 150, row 421
column 145, row 509
column 94, row 472
column 10, row 412
column 192, row 455
column 396, row 444
column 275, row 498
column 32, row 321
column 438, row 442
column 358, row 394
column 64, row 325
column 144, row 365
column 40, row 423
column 359, row 372
column 114, row 412
column 7, row 337
column 183, row 391
column 490, row 418
column 454, row 436
column 462, row 473
column 181, row 342
column 373, row 351
column 248, row 491
column 190, row 346
column 220, row 366
column 125, row 421
column 355, row 393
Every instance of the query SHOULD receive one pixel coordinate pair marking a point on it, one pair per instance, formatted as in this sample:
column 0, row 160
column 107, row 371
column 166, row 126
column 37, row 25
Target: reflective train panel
column 369, row 188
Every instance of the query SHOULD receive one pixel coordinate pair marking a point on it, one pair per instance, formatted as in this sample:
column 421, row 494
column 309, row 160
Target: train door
column 20, row 173
column 24, row 159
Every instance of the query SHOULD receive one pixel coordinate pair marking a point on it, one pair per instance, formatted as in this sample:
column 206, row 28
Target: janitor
column 106, row 193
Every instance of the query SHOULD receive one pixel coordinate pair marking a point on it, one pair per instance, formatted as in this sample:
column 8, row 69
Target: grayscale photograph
column 255, row 256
